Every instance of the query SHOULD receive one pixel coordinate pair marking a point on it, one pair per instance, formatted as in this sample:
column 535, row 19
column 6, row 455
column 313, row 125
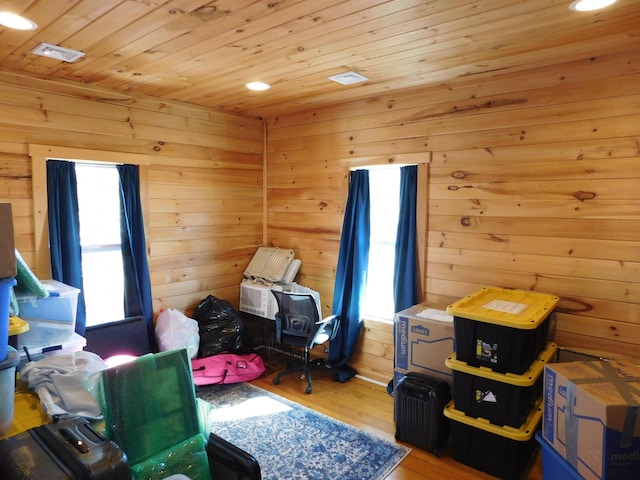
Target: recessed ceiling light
column 59, row 53
column 17, row 22
column 590, row 5
column 348, row 78
column 257, row 86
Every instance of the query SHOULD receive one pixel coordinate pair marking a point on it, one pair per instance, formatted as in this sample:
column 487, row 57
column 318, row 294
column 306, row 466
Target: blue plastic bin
column 554, row 467
column 5, row 292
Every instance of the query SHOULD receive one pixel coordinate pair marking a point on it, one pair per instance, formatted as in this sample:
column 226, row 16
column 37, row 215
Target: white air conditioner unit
column 256, row 298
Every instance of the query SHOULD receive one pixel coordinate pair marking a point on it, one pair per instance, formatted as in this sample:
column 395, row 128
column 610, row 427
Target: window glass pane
column 103, row 286
column 99, row 210
column 99, row 204
column 384, row 193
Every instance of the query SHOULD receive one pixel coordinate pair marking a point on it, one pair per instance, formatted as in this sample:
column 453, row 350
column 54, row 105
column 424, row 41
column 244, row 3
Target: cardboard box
column 591, row 417
column 424, row 339
column 7, row 242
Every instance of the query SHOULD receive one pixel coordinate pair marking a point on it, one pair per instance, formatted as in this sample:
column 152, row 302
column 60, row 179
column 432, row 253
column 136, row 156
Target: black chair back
column 298, row 314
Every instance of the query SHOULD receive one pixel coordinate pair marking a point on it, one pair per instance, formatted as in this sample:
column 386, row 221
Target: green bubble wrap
column 27, row 282
column 150, row 404
column 188, row 458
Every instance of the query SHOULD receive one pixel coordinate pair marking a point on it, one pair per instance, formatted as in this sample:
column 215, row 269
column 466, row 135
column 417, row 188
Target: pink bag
column 227, row 368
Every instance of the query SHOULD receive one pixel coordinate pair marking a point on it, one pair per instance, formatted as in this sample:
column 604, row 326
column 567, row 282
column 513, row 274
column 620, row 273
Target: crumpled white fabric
column 58, row 381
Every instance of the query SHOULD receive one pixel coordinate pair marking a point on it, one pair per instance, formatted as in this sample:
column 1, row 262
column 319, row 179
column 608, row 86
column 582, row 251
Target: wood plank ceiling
column 204, row 52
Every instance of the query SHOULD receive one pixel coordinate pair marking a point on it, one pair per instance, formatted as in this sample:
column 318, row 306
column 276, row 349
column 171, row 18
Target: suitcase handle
column 75, row 440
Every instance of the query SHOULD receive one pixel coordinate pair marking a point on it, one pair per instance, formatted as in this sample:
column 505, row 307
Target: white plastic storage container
column 52, row 319
column 75, row 343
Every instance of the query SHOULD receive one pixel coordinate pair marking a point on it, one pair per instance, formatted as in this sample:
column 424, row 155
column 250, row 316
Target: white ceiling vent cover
column 348, row 78
column 59, row 53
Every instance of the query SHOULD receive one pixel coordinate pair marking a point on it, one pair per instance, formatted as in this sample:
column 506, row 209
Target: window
column 384, row 193
column 131, row 170
column 102, row 270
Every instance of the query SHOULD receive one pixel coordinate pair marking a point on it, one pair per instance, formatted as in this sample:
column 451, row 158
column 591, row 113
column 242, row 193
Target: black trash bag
column 221, row 329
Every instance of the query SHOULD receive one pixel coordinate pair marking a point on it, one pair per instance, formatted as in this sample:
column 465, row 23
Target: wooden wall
column 203, row 177
column 533, row 184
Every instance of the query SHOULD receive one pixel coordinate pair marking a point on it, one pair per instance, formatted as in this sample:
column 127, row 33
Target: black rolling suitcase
column 229, row 462
column 419, row 402
column 67, row 449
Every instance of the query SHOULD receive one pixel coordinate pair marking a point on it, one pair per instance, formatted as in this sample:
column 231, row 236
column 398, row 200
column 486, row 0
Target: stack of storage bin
column 51, row 322
column 501, row 349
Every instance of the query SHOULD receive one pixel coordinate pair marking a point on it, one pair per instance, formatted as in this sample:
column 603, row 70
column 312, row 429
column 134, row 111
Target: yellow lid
column 521, row 309
column 522, row 434
column 17, row 326
column 527, row 379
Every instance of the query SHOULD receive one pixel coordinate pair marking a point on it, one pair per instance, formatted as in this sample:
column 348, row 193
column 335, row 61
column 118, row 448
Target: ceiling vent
column 59, row 53
column 348, row 78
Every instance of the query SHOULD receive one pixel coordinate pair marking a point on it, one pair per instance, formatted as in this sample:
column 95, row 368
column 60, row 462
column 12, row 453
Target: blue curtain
column 405, row 277
column 137, row 283
column 351, row 274
column 64, row 231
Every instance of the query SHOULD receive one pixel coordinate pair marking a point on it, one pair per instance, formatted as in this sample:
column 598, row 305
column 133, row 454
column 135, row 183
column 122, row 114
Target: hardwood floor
column 368, row 406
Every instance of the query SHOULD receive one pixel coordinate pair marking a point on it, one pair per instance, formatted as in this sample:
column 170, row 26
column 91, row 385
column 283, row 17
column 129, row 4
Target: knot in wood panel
column 582, row 196
column 496, row 238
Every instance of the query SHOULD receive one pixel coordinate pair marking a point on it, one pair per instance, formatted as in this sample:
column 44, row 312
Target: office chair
column 299, row 324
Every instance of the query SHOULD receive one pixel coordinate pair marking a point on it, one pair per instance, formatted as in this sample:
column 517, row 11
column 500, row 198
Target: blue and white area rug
column 293, row 442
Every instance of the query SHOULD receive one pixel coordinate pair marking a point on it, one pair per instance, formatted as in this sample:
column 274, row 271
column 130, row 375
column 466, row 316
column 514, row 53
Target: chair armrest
column 331, row 322
column 329, row 319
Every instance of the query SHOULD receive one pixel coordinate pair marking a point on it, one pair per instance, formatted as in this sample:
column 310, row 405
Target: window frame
column 39, row 155
column 422, row 160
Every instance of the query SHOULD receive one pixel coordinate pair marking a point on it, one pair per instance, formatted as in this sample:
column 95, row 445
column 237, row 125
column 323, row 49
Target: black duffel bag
column 221, row 329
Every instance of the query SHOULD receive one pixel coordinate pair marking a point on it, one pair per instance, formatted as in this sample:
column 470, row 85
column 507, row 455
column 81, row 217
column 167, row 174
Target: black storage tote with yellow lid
column 501, row 398
column 502, row 329
column 504, row 452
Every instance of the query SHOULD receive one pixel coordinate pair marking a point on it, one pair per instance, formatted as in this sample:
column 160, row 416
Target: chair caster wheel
column 307, row 390
column 276, row 381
